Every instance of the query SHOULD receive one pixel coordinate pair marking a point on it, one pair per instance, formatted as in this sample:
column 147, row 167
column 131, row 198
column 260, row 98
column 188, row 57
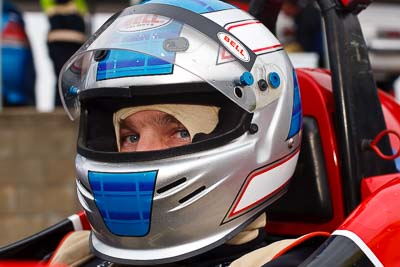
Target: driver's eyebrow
column 162, row 119
column 166, row 119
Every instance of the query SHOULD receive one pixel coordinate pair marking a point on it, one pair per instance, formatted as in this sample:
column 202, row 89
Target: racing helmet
column 154, row 207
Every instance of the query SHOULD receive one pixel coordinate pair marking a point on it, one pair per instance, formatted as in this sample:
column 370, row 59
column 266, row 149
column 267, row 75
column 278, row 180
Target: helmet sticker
column 224, row 56
column 143, row 22
column 234, row 46
column 272, row 178
column 122, row 63
column 124, row 200
column 297, row 121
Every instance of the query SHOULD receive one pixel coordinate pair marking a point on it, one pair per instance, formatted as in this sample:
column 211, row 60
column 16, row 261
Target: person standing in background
column 68, row 21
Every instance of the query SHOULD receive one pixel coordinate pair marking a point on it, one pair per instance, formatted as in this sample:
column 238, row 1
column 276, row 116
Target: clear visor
column 147, row 44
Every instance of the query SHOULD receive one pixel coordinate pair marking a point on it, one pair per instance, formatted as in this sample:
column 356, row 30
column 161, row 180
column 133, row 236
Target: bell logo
column 142, row 22
column 234, row 46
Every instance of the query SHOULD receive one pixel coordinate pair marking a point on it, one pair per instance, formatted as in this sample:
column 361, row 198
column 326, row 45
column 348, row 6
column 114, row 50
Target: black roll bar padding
column 358, row 113
column 38, row 246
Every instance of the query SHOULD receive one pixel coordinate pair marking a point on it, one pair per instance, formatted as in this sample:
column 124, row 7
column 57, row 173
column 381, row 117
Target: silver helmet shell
column 164, row 206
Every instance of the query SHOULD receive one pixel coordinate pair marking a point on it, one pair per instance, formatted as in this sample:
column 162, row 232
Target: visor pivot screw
column 290, row 143
column 253, row 128
column 246, row 79
column 262, row 85
column 73, row 91
column 274, row 80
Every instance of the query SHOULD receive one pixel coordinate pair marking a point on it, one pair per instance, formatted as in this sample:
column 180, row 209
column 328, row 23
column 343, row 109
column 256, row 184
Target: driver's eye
column 183, row 133
column 131, row 138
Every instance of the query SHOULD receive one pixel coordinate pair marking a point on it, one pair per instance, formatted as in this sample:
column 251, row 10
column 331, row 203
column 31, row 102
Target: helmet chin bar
column 162, row 255
column 179, row 208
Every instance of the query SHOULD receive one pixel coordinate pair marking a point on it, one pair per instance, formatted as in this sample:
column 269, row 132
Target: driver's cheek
column 175, row 141
column 128, row 147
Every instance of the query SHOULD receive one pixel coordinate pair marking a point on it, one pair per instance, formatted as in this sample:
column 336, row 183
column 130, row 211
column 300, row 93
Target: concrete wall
column 37, row 174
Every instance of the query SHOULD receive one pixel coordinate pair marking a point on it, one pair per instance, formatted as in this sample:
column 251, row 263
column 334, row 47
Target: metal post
column 358, row 112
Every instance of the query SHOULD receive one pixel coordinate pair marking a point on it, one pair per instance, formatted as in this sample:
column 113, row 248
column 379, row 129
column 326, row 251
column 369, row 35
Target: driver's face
column 152, row 130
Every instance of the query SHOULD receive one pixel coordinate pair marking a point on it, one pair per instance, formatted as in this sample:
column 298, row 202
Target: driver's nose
column 151, row 141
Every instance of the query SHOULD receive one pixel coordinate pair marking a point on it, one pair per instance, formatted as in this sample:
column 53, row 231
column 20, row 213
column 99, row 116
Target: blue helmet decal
column 297, row 118
column 125, row 63
column 121, row 63
column 124, row 200
column 197, row 6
